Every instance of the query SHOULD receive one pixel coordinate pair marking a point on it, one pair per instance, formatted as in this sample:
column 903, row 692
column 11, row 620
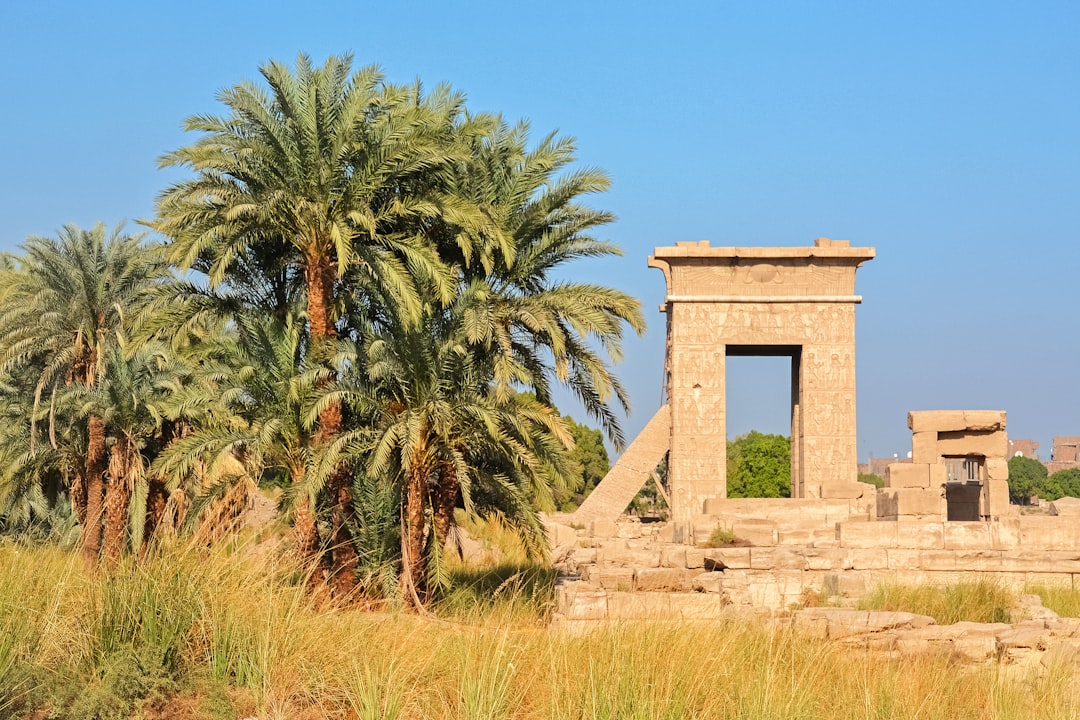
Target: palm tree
column 540, row 330
column 332, row 174
column 251, row 401
column 67, row 307
column 430, row 422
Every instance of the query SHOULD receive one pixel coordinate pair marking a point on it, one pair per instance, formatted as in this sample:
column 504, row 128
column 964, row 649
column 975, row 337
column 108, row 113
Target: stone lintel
column 703, row 250
column 956, row 420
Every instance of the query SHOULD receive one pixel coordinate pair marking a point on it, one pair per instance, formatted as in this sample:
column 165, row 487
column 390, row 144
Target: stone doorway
column 787, row 301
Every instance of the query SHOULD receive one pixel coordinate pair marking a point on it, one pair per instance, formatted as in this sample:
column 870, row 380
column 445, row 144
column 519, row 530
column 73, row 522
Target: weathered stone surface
column 912, row 502
column 674, row 556
column 996, row 497
column 935, row 420
column 867, row 534
column 711, row 582
column 907, row 475
column 735, row 558
column 845, row 490
column 695, row 558
column 921, row 535
column 1066, row 507
column 997, row 468
column 613, row 578
column 987, row 444
column 722, row 299
column 653, row 579
column 843, row 623
column 610, row 497
column 967, row 535
column 924, row 448
column 956, row 420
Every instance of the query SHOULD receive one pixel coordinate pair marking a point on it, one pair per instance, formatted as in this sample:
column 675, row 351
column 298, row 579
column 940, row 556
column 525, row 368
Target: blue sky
column 946, row 135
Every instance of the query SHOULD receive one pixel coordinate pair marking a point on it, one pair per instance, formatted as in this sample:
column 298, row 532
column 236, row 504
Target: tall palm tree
column 68, row 305
column 335, row 173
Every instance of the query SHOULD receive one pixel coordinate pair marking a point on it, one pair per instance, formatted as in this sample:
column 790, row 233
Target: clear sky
column 945, row 134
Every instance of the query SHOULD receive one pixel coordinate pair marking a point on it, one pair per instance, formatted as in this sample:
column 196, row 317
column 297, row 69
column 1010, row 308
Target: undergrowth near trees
column 231, row 634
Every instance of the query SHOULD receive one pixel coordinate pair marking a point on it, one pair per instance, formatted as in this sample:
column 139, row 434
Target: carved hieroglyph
column 797, row 302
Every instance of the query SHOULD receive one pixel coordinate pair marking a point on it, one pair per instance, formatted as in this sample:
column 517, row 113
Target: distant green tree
column 589, row 464
column 759, row 465
column 872, row 479
column 1063, row 483
column 1027, row 478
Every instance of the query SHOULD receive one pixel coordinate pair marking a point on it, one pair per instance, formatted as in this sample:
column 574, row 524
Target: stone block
column 696, row 606
column 914, row 502
column 673, row 556
column 997, row 468
column 907, row 475
column 843, row 490
column 709, row 582
column 799, row 536
column 996, row 498
column 827, row 559
column 1004, row 533
column 634, row 558
column 695, row 558
column 979, row 560
column 853, row 583
column 867, row 534
column 583, row 605
column 933, row 560
column 920, row 535
column 1048, row 532
column 603, row 528
column 903, row 559
column 869, row 558
column 1066, row 507
column 734, row 558
column 657, row 579
column 924, row 448
column 988, row 444
column 638, row 606
column 967, row 536
column 776, row 559
column 939, row 474
column 935, row 420
column 755, row 532
column 559, row 535
column 956, row 420
column 613, row 578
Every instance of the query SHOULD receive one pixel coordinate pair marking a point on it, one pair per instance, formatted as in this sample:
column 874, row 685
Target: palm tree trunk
column 305, row 532
column 445, row 500
column 320, row 275
column 95, row 488
column 77, row 493
column 117, row 499
column 413, row 583
column 157, row 496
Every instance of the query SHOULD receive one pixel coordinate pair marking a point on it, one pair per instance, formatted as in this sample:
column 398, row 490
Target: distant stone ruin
column 939, row 518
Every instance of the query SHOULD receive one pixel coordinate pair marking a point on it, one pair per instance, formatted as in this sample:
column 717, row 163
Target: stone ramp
column 610, row 498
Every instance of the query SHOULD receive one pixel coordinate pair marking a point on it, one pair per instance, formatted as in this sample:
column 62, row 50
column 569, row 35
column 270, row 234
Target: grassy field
column 215, row 635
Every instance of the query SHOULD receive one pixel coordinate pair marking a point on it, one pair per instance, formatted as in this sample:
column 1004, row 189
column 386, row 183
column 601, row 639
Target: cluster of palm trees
column 357, row 296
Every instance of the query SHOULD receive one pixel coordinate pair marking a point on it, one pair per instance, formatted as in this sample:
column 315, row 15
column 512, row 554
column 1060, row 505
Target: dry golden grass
column 222, row 637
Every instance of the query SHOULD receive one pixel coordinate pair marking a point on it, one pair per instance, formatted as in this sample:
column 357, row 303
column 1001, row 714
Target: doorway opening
column 963, row 488
column 762, row 419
